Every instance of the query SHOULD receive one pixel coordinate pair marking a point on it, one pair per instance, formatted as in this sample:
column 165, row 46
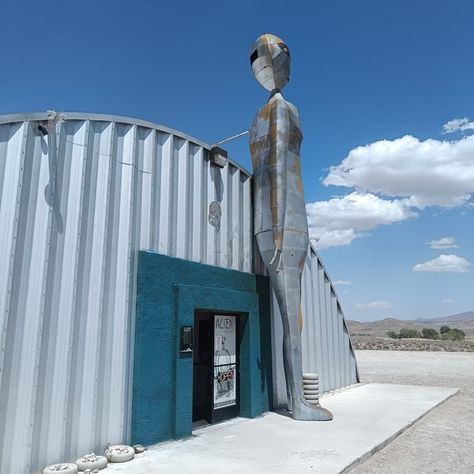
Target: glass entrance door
column 225, row 368
column 215, row 367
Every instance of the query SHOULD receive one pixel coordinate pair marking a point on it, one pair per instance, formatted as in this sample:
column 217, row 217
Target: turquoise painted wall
column 168, row 292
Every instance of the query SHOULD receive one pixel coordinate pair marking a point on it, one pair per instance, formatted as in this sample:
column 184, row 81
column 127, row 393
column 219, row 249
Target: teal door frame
column 169, row 290
column 191, row 298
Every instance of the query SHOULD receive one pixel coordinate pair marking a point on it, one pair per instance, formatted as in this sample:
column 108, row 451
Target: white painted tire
column 311, row 392
column 120, row 453
column 138, row 448
column 61, row 468
column 92, row 462
column 310, row 387
column 310, row 376
column 311, row 398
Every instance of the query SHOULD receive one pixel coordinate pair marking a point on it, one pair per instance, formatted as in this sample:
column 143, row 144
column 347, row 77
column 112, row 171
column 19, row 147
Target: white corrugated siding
column 72, row 219
column 326, row 345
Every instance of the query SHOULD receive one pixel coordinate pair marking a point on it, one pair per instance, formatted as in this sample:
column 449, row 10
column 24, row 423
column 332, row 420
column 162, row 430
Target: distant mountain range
column 464, row 321
column 467, row 316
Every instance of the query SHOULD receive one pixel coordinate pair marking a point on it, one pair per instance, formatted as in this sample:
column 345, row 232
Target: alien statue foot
column 304, row 411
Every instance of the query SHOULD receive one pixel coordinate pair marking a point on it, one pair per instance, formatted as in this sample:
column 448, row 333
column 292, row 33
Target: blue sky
column 362, row 72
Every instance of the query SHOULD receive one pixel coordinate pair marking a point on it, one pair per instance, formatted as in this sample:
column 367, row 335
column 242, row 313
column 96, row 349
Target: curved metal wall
column 326, row 344
column 75, row 207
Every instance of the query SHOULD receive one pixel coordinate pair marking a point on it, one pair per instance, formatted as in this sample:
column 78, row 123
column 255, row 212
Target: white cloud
column 390, row 181
column 458, row 125
column 425, row 173
column 444, row 263
column 342, row 219
column 342, row 282
column 374, row 305
column 443, row 243
column 447, row 300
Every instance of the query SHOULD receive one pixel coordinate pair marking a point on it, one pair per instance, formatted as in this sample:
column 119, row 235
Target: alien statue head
column 270, row 60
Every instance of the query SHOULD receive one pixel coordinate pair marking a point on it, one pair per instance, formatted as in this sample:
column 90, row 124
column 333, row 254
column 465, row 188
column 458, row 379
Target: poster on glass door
column 225, row 370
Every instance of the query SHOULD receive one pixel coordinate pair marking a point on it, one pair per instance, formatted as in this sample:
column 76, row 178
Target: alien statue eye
column 284, row 47
column 253, row 56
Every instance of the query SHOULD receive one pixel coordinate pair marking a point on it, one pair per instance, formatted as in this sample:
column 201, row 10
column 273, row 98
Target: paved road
column 442, row 441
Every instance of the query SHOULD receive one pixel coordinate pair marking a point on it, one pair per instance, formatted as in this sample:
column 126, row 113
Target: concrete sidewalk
column 366, row 418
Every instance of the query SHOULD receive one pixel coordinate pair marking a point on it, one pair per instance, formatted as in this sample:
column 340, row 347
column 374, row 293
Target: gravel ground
column 443, row 440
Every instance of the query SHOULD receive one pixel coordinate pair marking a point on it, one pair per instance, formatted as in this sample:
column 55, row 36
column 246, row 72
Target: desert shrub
column 453, row 335
column 429, row 333
column 393, row 335
column 444, row 329
column 458, row 335
column 409, row 333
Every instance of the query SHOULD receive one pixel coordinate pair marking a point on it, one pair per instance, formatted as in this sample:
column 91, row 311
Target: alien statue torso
column 275, row 140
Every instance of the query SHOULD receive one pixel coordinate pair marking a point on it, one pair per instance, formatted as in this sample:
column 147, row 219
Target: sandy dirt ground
column 443, row 440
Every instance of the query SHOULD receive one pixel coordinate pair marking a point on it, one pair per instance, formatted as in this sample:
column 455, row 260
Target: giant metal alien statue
column 281, row 225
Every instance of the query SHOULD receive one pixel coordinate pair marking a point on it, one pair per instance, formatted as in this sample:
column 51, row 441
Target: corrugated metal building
column 76, row 207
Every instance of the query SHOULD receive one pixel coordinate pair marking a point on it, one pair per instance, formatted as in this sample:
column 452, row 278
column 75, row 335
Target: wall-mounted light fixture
column 218, row 156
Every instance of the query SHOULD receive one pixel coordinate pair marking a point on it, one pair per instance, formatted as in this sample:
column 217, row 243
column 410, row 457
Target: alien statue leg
column 285, row 276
